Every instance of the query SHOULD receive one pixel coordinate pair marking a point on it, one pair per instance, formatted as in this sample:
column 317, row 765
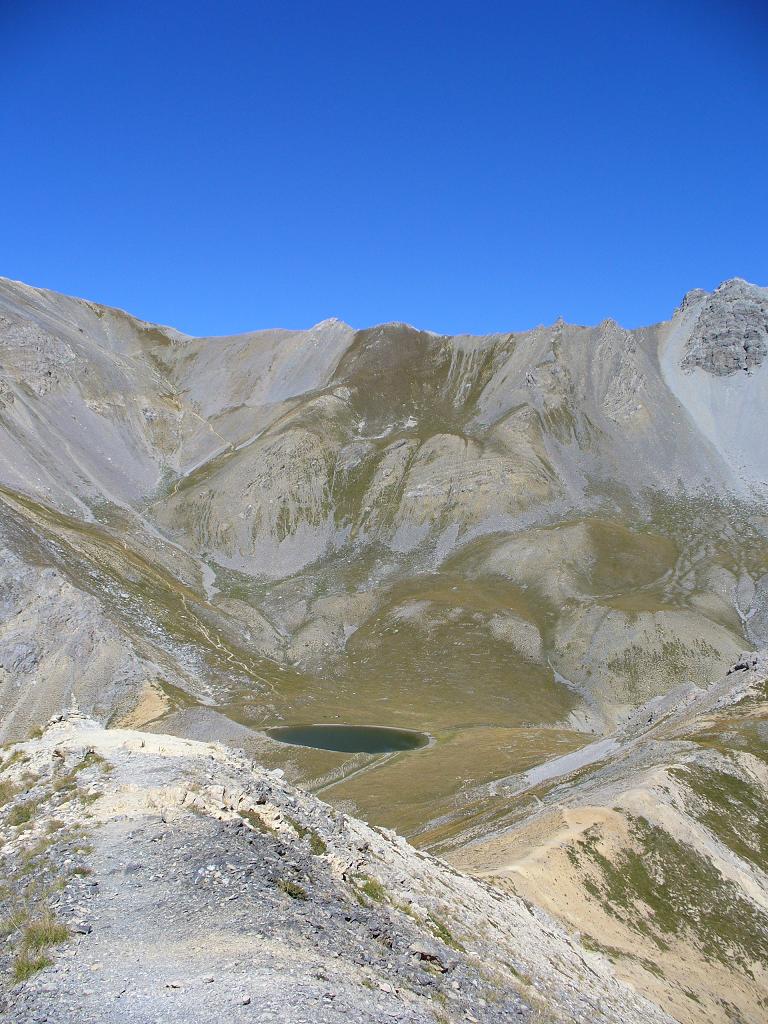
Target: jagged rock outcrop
column 731, row 333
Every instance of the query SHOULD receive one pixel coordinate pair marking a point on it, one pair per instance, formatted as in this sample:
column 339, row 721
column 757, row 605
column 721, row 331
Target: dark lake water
column 350, row 739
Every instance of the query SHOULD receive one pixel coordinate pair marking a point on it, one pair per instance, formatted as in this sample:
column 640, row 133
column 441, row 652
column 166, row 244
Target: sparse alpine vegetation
column 177, row 837
column 539, row 558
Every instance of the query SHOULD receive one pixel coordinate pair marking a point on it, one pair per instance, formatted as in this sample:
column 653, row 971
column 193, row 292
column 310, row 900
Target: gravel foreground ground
column 155, row 879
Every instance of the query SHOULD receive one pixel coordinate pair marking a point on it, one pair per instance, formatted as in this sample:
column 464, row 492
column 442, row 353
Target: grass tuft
column 406, row 908
column 13, row 921
column 316, row 842
column 373, row 888
column 256, row 822
column 292, row 889
column 65, row 783
column 7, row 792
column 21, row 813
column 443, row 932
column 17, row 757
column 92, row 797
column 43, row 932
column 26, row 964
column 94, row 758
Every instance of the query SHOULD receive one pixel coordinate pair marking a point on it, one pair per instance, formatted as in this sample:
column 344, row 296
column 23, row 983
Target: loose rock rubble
column 203, row 888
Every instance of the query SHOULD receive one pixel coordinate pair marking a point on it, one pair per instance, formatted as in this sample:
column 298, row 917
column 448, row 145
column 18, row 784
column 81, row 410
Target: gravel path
column 195, row 929
column 196, row 887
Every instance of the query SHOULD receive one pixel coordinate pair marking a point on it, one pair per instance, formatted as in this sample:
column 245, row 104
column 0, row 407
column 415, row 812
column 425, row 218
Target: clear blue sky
column 472, row 166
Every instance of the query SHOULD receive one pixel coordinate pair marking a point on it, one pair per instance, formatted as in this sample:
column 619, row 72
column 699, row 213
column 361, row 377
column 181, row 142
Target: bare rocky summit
column 732, row 331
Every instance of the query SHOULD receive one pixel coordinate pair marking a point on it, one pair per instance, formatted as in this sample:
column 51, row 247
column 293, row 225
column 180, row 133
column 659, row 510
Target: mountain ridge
column 691, row 296
column 509, row 543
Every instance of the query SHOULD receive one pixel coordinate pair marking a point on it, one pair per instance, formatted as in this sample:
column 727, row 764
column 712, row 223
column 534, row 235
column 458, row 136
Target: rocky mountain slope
column 521, row 545
column 652, row 843
column 568, row 516
column 165, row 879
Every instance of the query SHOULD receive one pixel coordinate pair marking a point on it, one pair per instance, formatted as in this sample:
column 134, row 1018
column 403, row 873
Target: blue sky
column 224, row 166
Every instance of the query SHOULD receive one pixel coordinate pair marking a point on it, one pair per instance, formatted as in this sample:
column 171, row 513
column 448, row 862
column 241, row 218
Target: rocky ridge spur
column 152, row 878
